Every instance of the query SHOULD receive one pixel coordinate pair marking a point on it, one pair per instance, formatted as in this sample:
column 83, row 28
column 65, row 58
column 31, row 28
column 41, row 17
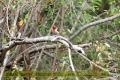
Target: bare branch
column 4, row 64
column 29, row 18
column 15, row 22
column 92, row 24
column 60, row 39
column 19, row 41
column 71, row 62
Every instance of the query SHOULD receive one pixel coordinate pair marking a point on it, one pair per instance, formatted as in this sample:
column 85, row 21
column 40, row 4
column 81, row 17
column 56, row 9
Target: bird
column 55, row 30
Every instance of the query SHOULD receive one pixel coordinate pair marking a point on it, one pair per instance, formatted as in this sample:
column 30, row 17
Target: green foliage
column 74, row 13
column 119, row 65
column 42, row 29
column 116, row 38
column 5, row 41
column 25, row 18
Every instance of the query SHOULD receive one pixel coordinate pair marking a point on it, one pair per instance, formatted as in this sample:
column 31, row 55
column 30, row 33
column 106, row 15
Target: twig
column 15, row 22
column 55, row 57
column 29, row 18
column 8, row 17
column 54, row 21
column 62, row 19
column 38, row 61
column 71, row 62
column 56, row 51
column 4, row 64
column 79, row 15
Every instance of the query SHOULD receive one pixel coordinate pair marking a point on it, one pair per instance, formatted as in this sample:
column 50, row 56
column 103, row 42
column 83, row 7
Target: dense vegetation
column 91, row 25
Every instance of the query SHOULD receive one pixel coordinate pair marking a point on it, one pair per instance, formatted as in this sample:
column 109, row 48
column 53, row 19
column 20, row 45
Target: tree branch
column 92, row 24
column 60, row 39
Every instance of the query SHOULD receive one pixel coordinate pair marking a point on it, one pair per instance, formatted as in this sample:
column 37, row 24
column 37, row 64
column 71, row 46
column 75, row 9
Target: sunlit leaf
column 114, row 37
column 59, row 45
column 119, row 37
column 25, row 20
column 107, row 44
column 13, row 6
column 20, row 23
column 38, row 19
column 100, row 57
column 4, row 8
column 62, row 1
column 26, row 16
column 21, row 69
column 68, row 30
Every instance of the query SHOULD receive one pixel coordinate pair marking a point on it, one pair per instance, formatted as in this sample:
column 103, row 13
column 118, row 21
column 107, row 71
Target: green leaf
column 100, row 56
column 26, row 16
column 13, row 6
column 59, row 45
column 118, row 65
column 98, row 3
column 68, row 30
column 114, row 37
column 42, row 28
column 21, row 69
column 118, row 37
column 62, row 2
column 18, row 78
column 5, row 41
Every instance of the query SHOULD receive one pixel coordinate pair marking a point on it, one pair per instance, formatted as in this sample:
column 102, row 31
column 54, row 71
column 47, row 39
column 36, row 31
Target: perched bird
column 55, row 30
